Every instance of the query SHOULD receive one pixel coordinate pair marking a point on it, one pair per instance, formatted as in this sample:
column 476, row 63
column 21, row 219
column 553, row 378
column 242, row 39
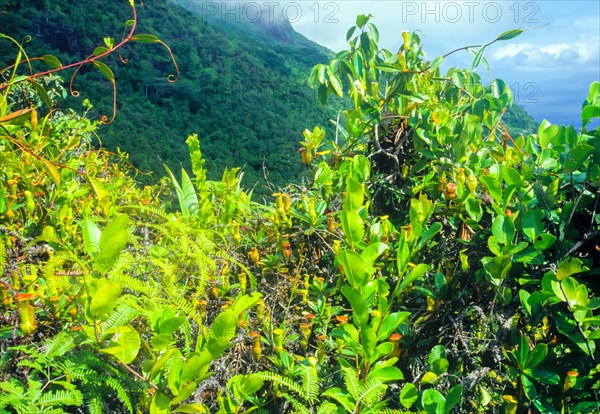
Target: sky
column 549, row 67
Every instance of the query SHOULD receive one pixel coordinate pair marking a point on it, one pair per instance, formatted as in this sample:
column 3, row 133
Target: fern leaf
column 281, row 380
column 341, row 397
column 371, row 392
column 350, row 379
column 121, row 316
column 57, row 346
column 327, row 408
column 298, row 406
column 61, row 397
column 310, row 383
column 117, row 387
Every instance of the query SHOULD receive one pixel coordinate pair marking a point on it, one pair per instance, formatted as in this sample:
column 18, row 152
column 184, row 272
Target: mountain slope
column 242, row 87
column 245, row 95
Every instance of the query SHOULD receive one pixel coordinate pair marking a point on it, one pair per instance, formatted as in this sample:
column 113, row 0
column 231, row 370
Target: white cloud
column 530, row 57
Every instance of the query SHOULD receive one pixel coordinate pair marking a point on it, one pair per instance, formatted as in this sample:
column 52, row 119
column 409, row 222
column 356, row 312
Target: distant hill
column 242, row 87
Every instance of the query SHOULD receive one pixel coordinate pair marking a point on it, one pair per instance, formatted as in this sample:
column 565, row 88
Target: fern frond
column 231, row 259
column 310, row 383
column 350, row 379
column 327, row 408
column 2, row 256
column 121, row 316
column 145, row 287
column 298, row 406
column 187, row 308
column 93, row 399
column 394, row 411
column 371, row 392
column 281, row 380
column 57, row 346
column 30, row 364
column 61, row 397
column 117, row 387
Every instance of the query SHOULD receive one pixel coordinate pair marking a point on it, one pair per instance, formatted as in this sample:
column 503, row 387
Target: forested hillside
column 244, row 96
column 242, row 86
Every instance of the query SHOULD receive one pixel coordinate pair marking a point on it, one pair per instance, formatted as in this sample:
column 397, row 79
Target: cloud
column 530, row 57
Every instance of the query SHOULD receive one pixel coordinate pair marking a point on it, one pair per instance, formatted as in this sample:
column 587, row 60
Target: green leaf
column 112, row 240
column 390, row 323
column 433, row 401
column 417, row 273
column 354, row 267
column 436, row 62
column 545, row 377
column 503, row 229
column 357, row 302
column 106, row 71
column 452, row 398
column 570, row 266
column 408, row 395
column 536, row 356
column 52, row 61
column 509, row 34
column 533, row 224
column 354, row 195
column 478, row 56
column 353, row 227
column 125, row 344
column 222, row 331
column 493, row 185
column 91, row 237
column 362, row 19
column 103, row 297
column 145, row 38
column 373, row 251
column 386, row 374
column 160, row 402
column 99, row 50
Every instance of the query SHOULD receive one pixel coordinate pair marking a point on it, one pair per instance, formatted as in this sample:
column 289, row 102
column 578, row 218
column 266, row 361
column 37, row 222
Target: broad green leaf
column 433, row 401
column 493, row 186
column 124, row 345
column 386, row 374
column 533, row 224
column 408, row 395
column 353, row 227
column 373, row 251
column 436, row 62
column 354, row 267
column 354, row 195
column 390, row 323
column 503, row 229
column 221, row 333
column 160, row 402
column 99, row 50
column 357, row 302
column 452, row 398
column 417, row 273
column 497, row 268
column 145, row 38
column 103, row 297
column 106, row 71
column 175, row 370
column 545, row 377
column 91, row 237
column 52, row 61
column 113, row 240
column 536, row 356
column 245, row 302
column 570, row 266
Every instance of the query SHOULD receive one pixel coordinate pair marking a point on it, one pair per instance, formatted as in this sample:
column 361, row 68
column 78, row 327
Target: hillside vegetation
column 431, row 262
column 242, row 87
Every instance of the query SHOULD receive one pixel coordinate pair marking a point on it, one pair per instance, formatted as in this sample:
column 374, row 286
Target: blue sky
column 549, row 67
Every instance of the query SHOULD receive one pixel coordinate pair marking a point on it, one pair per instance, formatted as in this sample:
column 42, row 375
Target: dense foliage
column 430, row 263
column 227, row 72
